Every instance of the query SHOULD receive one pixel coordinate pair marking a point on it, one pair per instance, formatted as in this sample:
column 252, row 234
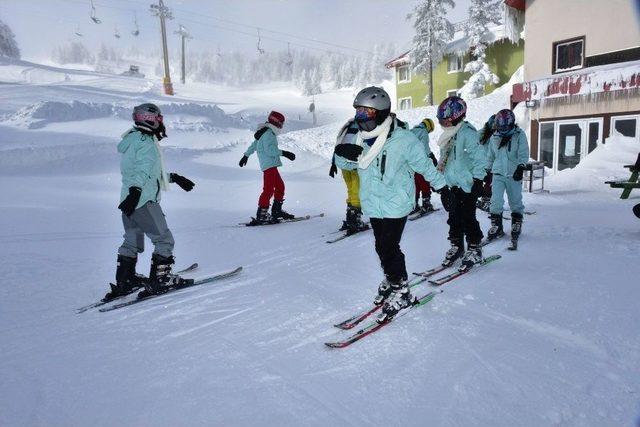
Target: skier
column 463, row 164
column 353, row 222
column 508, row 154
column 422, row 131
column 386, row 156
column 266, row 145
column 488, row 129
column 143, row 178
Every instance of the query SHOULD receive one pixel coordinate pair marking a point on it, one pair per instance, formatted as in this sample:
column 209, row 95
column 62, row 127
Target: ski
column 422, row 214
column 100, row 303
column 358, row 318
column 374, row 326
column 280, row 221
column 449, row 277
column 348, row 234
column 201, row 281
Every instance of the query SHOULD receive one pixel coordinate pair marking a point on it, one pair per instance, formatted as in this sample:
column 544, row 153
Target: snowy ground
column 546, row 336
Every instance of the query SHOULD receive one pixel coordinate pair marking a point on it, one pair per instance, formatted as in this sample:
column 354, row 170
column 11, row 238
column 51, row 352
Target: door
column 570, row 145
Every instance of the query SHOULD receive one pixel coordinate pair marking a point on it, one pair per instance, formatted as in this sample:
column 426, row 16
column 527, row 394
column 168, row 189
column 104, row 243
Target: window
column 454, row 63
column 546, row 138
column 404, row 74
column 568, row 55
column 404, row 103
column 452, row 92
column 626, row 126
column 594, row 136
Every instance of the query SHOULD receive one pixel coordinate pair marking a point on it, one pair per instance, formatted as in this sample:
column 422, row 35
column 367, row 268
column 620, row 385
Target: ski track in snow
column 545, row 336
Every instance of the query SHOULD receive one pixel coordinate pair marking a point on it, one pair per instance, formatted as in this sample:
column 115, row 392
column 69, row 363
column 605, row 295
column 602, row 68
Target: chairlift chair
column 116, row 34
column 261, row 51
column 77, row 31
column 92, row 14
column 135, row 32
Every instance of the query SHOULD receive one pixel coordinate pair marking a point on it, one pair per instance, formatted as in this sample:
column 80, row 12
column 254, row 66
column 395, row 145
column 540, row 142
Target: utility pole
column 163, row 12
column 184, row 34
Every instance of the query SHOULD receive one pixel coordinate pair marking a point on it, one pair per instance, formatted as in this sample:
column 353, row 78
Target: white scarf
column 275, row 129
column 448, row 133
column 381, row 132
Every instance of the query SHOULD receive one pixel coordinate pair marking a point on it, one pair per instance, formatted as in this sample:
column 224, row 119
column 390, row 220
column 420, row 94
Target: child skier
column 143, row 178
column 422, row 131
column 508, row 154
column 463, row 165
column 266, row 145
column 353, row 222
column 386, row 156
column 488, row 129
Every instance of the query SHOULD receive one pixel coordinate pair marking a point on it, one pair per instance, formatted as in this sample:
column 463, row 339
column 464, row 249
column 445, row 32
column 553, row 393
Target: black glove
column 477, row 188
column 333, row 170
column 636, row 210
column 446, row 197
column 517, row 175
column 130, row 202
column 348, row 151
column 289, row 155
column 243, row 161
column 487, row 177
column 433, row 159
column 184, row 183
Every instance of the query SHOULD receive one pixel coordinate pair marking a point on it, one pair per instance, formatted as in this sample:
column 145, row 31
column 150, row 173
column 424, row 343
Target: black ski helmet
column 148, row 116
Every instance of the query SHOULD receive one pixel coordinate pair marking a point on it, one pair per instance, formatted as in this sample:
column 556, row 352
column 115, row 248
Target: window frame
column 636, row 117
column 452, row 90
column 409, row 98
column 408, row 79
column 459, row 58
column 554, row 59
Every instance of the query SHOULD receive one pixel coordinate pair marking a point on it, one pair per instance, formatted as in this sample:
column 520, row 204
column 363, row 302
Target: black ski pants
column 462, row 218
column 388, row 232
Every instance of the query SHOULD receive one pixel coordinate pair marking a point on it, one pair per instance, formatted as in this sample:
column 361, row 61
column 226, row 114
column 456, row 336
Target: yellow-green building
column 502, row 56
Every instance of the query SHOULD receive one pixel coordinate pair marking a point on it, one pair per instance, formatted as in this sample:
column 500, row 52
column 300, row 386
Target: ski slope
column 546, row 336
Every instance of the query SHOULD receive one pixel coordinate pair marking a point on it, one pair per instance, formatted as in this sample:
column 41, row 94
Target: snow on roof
column 459, row 44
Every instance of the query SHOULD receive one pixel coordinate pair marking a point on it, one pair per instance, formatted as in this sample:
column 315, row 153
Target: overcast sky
column 40, row 25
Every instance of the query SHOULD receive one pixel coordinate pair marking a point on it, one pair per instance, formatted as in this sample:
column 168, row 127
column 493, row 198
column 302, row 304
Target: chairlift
column 219, row 52
column 77, row 31
column 261, row 51
column 116, row 34
column 135, row 32
column 92, row 14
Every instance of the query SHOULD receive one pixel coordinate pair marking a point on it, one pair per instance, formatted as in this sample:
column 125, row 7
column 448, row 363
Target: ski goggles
column 151, row 117
column 365, row 113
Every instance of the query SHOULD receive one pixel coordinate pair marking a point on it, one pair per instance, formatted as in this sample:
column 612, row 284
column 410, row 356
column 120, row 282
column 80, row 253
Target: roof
column 459, row 44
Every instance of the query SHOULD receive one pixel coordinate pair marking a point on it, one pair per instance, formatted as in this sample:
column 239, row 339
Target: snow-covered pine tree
column 482, row 14
column 8, row 45
column 433, row 32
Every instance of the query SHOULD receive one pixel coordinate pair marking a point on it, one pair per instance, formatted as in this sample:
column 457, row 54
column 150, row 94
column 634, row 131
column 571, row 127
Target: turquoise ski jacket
column 140, row 166
column 466, row 160
column 504, row 160
column 266, row 145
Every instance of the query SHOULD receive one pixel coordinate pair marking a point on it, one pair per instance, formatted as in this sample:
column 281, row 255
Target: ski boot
column 455, row 252
column 416, row 208
column 359, row 223
column 384, row 290
column 262, row 217
column 426, row 205
column 399, row 299
column 160, row 277
column 516, row 225
column 471, row 257
column 127, row 281
column 484, row 203
column 496, row 230
column 277, row 212
column 348, row 219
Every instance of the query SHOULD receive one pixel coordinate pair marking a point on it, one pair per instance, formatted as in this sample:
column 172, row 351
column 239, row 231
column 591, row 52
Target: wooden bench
column 630, row 184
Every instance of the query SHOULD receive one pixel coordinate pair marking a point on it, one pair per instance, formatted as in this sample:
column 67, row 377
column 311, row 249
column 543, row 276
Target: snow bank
column 604, row 163
column 41, row 114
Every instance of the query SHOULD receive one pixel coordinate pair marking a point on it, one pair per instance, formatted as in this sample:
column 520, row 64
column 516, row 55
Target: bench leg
column 627, row 191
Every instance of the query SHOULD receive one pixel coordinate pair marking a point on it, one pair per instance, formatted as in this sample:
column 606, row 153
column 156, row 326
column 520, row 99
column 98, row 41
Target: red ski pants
column 422, row 186
column 272, row 186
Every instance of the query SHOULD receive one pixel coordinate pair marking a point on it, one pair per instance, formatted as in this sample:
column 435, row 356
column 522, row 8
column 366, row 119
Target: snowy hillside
column 546, row 336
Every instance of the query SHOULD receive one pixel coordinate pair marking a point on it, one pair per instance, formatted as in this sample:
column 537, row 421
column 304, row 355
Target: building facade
column 503, row 58
column 582, row 76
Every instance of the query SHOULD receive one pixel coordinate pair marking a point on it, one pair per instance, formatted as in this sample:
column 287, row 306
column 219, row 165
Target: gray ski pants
column 147, row 219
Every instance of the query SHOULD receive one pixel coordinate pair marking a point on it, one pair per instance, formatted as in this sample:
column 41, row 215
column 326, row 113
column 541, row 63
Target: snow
column 544, row 336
